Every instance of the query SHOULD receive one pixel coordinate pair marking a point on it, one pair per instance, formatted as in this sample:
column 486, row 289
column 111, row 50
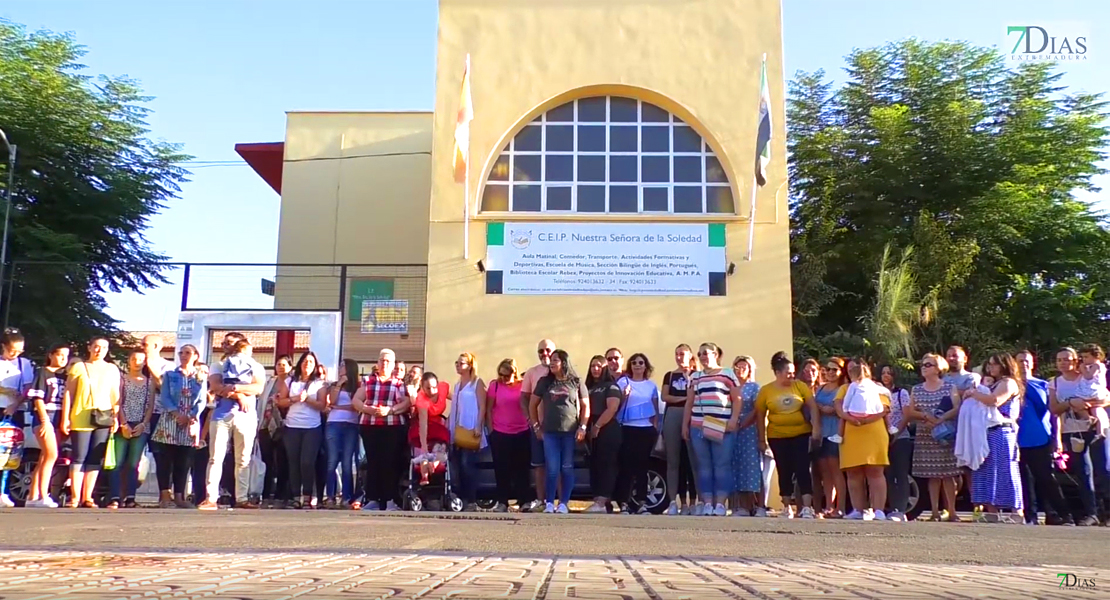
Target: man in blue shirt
column 1037, row 442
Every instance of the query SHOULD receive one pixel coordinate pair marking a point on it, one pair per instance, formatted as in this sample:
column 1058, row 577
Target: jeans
column 239, row 429
column 128, row 454
column 511, row 464
column 792, row 458
column 343, row 443
column 303, row 446
column 1081, row 468
column 89, row 448
column 464, row 474
column 714, row 463
column 605, row 451
column 1036, row 476
column 558, row 450
column 898, row 474
column 635, row 455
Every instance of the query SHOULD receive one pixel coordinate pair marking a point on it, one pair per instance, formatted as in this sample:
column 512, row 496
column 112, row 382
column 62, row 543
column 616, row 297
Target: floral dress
column 931, row 459
column 747, row 460
column 183, row 393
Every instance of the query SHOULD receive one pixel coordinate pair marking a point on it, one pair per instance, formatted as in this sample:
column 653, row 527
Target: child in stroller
column 428, row 435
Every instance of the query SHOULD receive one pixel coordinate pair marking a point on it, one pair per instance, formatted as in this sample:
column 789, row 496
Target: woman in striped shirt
column 711, row 420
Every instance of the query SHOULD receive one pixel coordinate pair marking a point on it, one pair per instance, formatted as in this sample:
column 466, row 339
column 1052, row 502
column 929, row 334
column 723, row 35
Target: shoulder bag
column 465, row 439
column 101, row 417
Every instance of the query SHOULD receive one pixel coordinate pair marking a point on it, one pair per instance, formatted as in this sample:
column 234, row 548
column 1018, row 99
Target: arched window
column 608, row 155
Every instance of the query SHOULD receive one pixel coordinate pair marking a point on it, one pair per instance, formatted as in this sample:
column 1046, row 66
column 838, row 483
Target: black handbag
column 101, row 417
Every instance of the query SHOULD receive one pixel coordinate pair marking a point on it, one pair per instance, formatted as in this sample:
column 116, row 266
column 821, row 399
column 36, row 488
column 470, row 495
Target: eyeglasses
column 613, row 358
column 928, row 365
column 544, row 351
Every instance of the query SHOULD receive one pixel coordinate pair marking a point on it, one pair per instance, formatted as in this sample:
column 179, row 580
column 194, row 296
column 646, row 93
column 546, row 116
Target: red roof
column 266, row 160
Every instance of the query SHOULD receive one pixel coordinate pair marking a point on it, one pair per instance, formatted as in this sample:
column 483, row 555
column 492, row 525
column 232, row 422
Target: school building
column 612, row 158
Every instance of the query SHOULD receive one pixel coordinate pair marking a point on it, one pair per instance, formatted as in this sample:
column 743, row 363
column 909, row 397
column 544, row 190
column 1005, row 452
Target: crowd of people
column 836, row 431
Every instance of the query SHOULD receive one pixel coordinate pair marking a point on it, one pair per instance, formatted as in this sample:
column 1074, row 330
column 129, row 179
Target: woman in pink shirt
column 509, row 440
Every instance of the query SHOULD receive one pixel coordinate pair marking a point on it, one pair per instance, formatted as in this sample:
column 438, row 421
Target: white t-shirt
column 301, row 415
column 16, row 374
column 1092, row 388
column 342, row 399
column 642, row 402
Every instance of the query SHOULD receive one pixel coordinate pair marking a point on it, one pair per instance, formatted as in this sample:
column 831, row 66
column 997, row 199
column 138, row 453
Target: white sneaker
column 562, row 510
column 49, row 502
column 896, row 516
column 391, row 506
column 699, row 509
column 880, row 515
column 672, row 510
column 760, row 512
column 868, row 515
column 787, row 512
column 549, row 509
column 836, row 439
column 892, row 429
column 533, row 506
column 34, row 504
column 720, row 511
column 596, row 508
column 807, row 513
column 855, row 515
column 372, row 505
column 740, row 512
column 6, row 502
column 687, row 509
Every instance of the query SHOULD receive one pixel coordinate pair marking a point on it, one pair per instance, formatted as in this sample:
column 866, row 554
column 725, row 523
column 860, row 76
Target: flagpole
column 466, row 178
column 755, row 181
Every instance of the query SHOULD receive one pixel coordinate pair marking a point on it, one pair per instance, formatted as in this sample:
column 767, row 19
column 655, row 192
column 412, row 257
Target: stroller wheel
column 454, row 503
column 413, row 502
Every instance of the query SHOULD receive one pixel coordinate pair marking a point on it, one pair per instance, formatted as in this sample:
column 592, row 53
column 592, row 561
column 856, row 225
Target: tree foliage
column 87, row 181
column 941, row 147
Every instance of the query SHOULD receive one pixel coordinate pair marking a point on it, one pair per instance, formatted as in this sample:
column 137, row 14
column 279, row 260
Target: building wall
column 698, row 59
column 355, row 189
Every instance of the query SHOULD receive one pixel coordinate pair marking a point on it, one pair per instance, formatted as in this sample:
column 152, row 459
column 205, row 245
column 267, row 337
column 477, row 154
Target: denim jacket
column 172, row 400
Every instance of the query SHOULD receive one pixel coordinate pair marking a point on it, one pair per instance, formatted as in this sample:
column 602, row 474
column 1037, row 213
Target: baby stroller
column 429, row 481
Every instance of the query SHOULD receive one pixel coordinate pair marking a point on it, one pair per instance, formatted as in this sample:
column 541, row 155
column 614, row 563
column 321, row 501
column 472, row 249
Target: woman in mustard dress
column 863, row 453
column 90, row 408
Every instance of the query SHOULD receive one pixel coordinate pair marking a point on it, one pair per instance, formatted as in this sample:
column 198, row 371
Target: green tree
column 891, row 326
column 87, row 180
column 942, row 147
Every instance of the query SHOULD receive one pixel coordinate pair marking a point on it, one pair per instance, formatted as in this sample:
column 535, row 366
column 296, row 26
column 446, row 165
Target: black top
column 675, row 385
column 599, row 398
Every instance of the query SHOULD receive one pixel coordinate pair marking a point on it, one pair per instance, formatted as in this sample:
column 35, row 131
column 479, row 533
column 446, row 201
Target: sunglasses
column 613, row 358
column 928, row 365
column 544, row 351
column 637, row 363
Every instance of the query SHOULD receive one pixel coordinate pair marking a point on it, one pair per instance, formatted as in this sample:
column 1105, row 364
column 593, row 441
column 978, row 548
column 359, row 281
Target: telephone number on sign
column 614, row 281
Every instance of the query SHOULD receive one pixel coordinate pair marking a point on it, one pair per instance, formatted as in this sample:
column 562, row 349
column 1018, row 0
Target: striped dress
column 931, row 460
column 998, row 480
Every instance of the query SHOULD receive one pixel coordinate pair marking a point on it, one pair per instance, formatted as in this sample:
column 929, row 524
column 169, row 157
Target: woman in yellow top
column 89, row 409
column 781, row 408
column 863, row 453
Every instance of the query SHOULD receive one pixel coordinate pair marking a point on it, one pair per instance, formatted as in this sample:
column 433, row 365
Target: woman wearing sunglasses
column 931, row 459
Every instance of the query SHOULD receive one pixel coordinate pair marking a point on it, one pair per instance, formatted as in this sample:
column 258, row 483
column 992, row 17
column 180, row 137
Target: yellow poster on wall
column 385, row 316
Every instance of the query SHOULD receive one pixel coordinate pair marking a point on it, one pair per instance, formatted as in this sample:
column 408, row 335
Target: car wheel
column 19, row 481
column 656, row 499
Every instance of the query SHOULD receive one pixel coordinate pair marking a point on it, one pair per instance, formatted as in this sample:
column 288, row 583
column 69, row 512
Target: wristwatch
column 582, row 428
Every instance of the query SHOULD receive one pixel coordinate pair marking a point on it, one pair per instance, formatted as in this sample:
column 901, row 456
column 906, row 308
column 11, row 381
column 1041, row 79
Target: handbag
column 944, row 433
column 713, row 428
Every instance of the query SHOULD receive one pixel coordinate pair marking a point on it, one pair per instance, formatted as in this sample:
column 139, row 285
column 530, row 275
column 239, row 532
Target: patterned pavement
column 363, row 576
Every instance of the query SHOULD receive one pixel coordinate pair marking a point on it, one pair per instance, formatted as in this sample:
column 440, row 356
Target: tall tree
column 87, row 180
column 942, row 147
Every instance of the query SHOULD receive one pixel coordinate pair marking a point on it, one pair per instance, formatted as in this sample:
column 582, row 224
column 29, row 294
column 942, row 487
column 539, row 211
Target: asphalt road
column 555, row 535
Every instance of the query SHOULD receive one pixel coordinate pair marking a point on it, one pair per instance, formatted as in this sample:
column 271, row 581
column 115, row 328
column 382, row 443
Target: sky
column 223, row 72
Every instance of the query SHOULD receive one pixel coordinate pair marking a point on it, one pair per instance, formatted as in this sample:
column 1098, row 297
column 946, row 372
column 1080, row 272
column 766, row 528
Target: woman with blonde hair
column 863, row 407
column 933, row 460
column 466, row 424
column 747, row 461
column 509, row 440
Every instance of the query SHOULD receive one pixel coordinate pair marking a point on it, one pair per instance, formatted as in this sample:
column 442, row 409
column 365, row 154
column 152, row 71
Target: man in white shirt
column 234, row 419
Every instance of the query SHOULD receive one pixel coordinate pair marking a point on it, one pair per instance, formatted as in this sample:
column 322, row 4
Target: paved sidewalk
column 363, row 576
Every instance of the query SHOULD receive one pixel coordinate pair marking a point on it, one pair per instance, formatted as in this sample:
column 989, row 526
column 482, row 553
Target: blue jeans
column 464, row 474
column 342, row 442
column 128, row 454
column 714, row 463
column 558, row 450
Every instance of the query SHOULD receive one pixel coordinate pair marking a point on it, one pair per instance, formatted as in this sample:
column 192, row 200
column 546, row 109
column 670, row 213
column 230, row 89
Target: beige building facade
column 611, row 173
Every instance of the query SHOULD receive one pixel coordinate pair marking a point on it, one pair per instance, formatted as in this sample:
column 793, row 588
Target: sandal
column 113, row 505
column 355, row 505
column 296, row 504
column 130, row 503
column 89, row 504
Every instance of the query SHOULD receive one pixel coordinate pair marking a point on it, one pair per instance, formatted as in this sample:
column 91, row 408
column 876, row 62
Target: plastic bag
column 110, row 454
column 11, row 445
column 257, row 473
